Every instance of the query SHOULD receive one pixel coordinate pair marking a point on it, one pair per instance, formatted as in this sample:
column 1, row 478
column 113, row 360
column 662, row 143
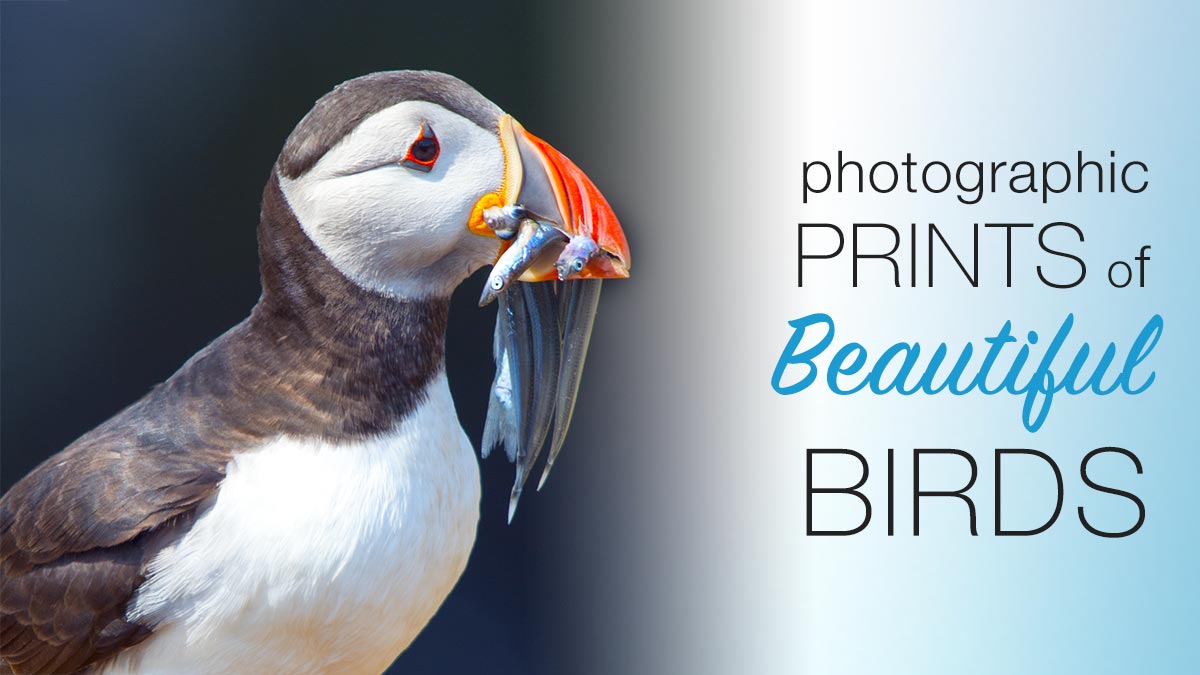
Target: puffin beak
column 542, row 184
column 554, row 226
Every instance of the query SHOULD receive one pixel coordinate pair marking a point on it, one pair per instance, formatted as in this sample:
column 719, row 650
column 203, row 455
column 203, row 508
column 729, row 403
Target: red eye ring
column 424, row 151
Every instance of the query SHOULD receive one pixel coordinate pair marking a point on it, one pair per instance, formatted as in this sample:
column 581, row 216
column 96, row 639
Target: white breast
column 316, row 557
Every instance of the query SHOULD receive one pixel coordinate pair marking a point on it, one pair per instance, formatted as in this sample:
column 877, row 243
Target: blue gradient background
column 724, row 103
column 1032, row 83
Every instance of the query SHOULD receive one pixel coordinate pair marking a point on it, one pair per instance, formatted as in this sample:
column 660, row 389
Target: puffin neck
column 362, row 357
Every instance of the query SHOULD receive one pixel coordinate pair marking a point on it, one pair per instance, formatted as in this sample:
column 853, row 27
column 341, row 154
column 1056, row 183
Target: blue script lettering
column 1037, row 387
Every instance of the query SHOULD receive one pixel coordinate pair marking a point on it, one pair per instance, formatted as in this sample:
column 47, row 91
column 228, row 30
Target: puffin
column 300, row 497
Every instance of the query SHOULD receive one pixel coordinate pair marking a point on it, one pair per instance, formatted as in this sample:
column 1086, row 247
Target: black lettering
column 918, row 492
column 852, row 490
column 1000, row 531
column 1141, row 507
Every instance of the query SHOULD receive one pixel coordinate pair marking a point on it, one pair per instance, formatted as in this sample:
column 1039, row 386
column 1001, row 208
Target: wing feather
column 77, row 533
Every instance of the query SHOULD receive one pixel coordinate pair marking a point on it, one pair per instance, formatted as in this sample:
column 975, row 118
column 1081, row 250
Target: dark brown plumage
column 318, row 356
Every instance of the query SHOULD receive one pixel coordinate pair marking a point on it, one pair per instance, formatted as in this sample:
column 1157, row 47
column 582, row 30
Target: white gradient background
column 697, row 560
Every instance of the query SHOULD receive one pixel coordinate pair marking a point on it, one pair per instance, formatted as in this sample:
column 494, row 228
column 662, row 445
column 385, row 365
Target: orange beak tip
column 552, row 183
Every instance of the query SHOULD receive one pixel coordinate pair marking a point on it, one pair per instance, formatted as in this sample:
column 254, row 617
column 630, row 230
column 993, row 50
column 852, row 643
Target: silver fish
column 533, row 239
column 504, row 220
column 540, row 345
column 579, row 302
column 502, row 426
column 575, row 256
column 541, row 306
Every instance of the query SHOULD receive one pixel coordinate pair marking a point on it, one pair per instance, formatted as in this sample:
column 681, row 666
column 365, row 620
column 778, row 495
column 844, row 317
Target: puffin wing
column 77, row 533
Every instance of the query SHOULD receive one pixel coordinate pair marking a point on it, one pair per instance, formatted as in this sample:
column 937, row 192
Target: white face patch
column 396, row 229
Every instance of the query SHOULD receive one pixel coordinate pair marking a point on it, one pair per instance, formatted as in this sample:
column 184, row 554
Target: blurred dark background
column 136, row 140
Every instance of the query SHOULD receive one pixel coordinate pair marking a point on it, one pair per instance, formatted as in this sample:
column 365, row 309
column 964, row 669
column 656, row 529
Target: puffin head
column 390, row 176
column 399, row 186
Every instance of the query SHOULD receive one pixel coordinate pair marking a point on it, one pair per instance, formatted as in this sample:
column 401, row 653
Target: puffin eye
column 423, row 152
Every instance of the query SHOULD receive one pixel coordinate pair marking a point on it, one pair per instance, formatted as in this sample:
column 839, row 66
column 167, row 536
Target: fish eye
column 578, row 264
column 423, row 152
